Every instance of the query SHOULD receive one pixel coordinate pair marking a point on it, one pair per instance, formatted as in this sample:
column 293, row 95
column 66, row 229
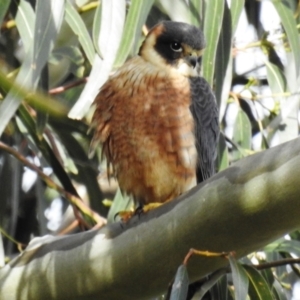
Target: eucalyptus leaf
column 176, row 10
column 242, row 133
column 288, row 21
column 47, row 24
column 276, row 79
column 236, row 7
column 4, row 4
column 77, row 25
column 112, row 22
column 258, row 288
column 240, row 279
column 212, row 29
column 181, row 284
column 25, row 19
column 223, row 60
column 136, row 18
column 120, row 203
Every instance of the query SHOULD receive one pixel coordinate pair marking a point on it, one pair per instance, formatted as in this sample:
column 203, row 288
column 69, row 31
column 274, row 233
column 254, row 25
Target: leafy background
column 54, row 57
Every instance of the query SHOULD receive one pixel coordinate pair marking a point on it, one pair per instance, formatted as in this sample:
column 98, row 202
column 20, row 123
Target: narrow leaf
column 49, row 16
column 289, row 23
column 223, row 54
column 2, row 253
column 120, row 203
column 112, row 22
column 176, row 10
column 217, row 284
column 278, row 291
column 276, row 79
column 25, row 20
column 259, row 288
column 135, row 19
column 86, row 174
column 180, row 285
column 212, row 27
column 242, row 133
column 223, row 158
column 43, row 85
column 4, row 4
column 47, row 23
column 97, row 29
column 196, row 12
column 40, row 101
column 46, row 151
column 289, row 246
column 236, row 7
column 77, row 25
column 240, row 279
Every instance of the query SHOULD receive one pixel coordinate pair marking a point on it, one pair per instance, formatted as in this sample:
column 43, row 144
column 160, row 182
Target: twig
column 258, row 97
column 61, row 89
column 19, row 244
column 76, row 201
column 277, row 263
column 203, row 253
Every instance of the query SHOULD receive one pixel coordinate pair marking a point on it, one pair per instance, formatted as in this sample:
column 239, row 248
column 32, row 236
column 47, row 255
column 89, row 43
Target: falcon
column 156, row 118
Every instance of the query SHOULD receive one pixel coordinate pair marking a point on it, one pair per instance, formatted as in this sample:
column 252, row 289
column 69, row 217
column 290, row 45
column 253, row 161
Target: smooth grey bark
column 241, row 209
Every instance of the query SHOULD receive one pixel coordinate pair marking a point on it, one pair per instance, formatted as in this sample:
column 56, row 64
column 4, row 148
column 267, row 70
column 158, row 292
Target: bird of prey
column 157, row 119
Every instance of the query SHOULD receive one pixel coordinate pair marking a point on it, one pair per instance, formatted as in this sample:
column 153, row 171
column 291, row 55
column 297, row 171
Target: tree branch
column 240, row 209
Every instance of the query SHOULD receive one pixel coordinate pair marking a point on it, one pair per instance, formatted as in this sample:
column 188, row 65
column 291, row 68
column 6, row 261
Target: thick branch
column 240, row 209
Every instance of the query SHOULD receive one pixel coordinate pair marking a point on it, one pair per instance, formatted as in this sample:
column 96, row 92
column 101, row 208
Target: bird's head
column 175, row 44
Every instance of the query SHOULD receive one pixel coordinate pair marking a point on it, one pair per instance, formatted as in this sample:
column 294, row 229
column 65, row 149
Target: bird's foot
column 126, row 215
column 151, row 206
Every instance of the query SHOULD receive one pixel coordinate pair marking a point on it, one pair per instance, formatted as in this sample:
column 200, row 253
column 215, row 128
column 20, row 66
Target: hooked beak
column 192, row 60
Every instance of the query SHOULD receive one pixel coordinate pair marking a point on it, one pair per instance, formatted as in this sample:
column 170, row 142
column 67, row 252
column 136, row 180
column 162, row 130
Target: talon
column 151, row 206
column 124, row 215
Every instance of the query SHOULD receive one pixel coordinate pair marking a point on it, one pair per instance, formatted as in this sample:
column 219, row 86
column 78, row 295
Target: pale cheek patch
column 150, row 55
column 185, row 69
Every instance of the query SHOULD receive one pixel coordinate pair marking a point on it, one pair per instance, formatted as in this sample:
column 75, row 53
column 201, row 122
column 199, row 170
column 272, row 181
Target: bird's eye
column 176, row 47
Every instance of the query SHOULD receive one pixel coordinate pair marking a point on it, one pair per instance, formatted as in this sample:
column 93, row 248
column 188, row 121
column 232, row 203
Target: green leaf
column 48, row 20
column 46, row 150
column 25, row 20
column 196, row 12
column 77, row 25
column 86, row 173
column 2, row 252
column 112, row 22
column 40, row 101
column 290, row 26
column 268, row 276
column 276, row 79
column 258, row 288
column 216, row 284
column 242, row 133
column 289, row 246
column 223, row 56
column 135, row 19
column 49, row 16
column 4, row 4
column 223, row 158
column 212, row 27
column 120, row 203
column 42, row 118
column 180, row 285
column 278, row 291
column 176, row 10
column 97, row 29
column 236, row 8
column 240, row 279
